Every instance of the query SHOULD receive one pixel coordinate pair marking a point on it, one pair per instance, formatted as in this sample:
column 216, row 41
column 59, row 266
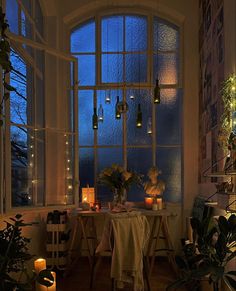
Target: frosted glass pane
column 22, row 162
column 166, row 67
column 140, row 166
column 168, row 117
column 138, row 135
column 12, row 15
column 86, row 70
column 169, row 162
column 135, row 33
column 136, row 68
column 86, row 167
column 85, row 104
column 107, row 157
column 110, row 130
column 112, row 34
column 112, row 68
column 165, row 36
column 83, row 38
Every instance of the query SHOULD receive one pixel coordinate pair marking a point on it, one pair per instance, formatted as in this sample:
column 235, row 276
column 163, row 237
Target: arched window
column 123, row 55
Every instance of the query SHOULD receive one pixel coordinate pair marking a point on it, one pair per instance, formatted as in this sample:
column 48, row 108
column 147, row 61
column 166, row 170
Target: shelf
column 221, row 174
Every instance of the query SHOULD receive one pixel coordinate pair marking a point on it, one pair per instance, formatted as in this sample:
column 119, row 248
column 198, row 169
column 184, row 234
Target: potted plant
column 117, row 179
column 206, row 259
column 14, row 255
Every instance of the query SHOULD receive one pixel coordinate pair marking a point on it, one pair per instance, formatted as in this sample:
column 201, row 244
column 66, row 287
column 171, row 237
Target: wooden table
column 158, row 226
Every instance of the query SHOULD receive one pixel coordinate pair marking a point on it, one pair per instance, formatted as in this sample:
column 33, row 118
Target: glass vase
column 119, row 196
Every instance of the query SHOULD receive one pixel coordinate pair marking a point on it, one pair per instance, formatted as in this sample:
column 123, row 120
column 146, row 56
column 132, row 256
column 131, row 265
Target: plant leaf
column 223, row 225
column 231, row 282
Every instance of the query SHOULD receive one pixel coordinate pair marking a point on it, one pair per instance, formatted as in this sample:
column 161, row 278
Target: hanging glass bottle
column 157, row 93
column 100, row 113
column 95, row 118
column 139, row 117
column 149, row 126
column 117, row 112
column 108, row 97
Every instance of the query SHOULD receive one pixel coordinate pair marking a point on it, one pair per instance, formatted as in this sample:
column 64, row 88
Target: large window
column 122, row 55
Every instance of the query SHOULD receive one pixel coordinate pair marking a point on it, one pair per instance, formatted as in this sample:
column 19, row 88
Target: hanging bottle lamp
column 100, row 113
column 157, row 93
column 117, row 112
column 95, row 118
column 108, row 97
column 139, row 117
column 149, row 126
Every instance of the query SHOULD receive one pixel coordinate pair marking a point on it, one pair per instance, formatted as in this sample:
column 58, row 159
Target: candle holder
column 148, row 202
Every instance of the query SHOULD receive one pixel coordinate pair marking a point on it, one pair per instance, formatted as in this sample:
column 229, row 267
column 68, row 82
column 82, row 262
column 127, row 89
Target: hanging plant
column 226, row 137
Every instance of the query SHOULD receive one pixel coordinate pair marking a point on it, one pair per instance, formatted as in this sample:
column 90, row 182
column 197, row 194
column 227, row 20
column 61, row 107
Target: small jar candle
column 148, row 202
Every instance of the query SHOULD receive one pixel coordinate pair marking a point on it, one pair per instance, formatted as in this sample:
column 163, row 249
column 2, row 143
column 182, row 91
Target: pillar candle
column 39, row 265
column 148, row 202
column 159, row 203
column 53, row 287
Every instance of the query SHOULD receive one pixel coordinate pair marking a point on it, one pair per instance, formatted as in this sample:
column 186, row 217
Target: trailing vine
column 228, row 92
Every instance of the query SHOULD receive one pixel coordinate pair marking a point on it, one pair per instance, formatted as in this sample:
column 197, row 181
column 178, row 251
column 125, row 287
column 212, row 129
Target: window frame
column 149, row 84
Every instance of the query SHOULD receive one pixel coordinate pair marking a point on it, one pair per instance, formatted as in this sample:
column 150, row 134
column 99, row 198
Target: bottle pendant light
column 139, row 117
column 149, row 126
column 95, row 118
column 108, row 97
column 157, row 93
column 117, row 112
column 100, row 113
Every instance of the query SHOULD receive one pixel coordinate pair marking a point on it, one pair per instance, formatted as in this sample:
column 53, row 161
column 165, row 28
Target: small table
column 159, row 231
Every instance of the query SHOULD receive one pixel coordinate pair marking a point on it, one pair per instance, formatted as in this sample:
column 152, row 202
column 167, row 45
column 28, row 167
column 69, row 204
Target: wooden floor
column 78, row 279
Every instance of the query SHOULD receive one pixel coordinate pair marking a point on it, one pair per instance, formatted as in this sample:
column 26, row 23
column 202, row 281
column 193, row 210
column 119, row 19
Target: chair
column 125, row 235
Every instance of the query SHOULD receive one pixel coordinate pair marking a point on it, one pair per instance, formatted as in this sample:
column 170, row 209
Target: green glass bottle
column 157, row 93
column 117, row 112
column 139, row 117
column 95, row 118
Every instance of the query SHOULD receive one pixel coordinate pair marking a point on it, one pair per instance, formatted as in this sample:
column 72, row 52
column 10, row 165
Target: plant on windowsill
column 13, row 257
column 206, row 259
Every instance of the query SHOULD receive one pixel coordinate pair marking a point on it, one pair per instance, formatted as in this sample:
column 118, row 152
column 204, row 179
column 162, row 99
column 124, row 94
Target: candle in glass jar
column 53, row 287
column 159, row 203
column 148, row 202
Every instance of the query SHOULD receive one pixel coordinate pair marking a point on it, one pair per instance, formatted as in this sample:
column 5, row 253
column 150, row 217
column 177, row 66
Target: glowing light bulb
column 233, row 88
column 67, row 142
column 68, row 160
column 70, row 187
column 68, row 169
column 32, row 155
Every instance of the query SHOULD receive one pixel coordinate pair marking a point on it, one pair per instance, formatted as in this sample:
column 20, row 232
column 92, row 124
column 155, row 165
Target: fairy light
column 70, row 187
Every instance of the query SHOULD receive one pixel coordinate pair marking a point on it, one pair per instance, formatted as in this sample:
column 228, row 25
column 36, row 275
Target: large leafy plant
column 14, row 254
column 214, row 246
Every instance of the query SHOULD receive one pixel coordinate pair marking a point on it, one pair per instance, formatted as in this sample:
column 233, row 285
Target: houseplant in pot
column 207, row 258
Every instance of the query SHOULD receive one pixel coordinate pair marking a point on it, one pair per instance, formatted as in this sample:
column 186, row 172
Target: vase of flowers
column 118, row 180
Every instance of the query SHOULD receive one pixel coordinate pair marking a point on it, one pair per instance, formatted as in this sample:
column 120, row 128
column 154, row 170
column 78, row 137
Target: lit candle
column 148, row 202
column 53, row 287
column 159, row 203
column 39, row 265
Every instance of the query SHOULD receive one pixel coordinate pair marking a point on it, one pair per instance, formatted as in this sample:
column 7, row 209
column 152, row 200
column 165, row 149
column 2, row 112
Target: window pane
column 21, row 100
column 138, row 135
column 168, row 117
column 107, row 157
column 110, row 130
column 165, row 36
column 12, row 15
column 22, row 166
column 39, row 112
column 83, row 38
column 27, row 5
column 86, row 167
column 86, row 133
column 169, row 162
column 86, row 70
column 39, row 145
column 135, row 164
column 135, row 33
column 166, row 67
column 112, row 34
column 112, row 68
column 26, row 26
column 136, row 68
